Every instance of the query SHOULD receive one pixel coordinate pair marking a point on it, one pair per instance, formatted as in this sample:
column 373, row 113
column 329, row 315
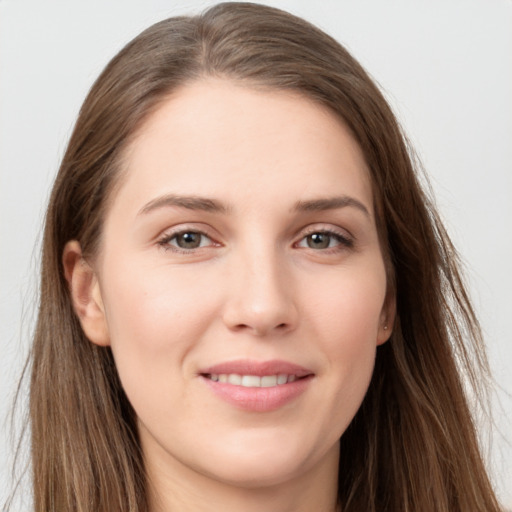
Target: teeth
column 268, row 381
column 235, row 379
column 253, row 381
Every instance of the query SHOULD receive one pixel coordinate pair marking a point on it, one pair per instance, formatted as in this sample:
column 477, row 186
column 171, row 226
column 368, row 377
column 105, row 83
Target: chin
column 254, row 473
column 263, row 464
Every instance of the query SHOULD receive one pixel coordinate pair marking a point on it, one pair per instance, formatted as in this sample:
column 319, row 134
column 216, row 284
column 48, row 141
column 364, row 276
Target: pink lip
column 258, row 368
column 257, row 399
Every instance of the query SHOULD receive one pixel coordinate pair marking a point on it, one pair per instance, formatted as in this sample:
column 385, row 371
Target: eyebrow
column 188, row 202
column 331, row 203
column 212, row 205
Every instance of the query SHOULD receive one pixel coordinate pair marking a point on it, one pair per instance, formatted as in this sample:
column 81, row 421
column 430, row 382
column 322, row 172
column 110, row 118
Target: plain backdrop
column 445, row 66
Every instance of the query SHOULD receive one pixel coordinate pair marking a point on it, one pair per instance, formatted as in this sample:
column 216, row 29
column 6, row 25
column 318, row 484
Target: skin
column 259, row 286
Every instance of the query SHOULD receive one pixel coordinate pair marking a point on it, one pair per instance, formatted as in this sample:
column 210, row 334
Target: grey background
column 445, row 66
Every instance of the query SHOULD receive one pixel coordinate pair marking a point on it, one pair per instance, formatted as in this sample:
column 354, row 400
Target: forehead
column 219, row 138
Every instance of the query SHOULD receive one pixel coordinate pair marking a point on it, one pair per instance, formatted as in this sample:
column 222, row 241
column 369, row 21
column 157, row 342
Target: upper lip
column 257, row 368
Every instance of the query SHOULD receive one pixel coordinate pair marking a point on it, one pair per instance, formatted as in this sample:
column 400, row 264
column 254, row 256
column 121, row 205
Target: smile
column 257, row 386
column 253, row 381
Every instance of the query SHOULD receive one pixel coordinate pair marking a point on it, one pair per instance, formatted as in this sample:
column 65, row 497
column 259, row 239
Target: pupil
column 318, row 241
column 189, row 240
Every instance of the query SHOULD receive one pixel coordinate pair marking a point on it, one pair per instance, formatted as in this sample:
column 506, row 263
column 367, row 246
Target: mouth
column 257, row 386
column 253, row 381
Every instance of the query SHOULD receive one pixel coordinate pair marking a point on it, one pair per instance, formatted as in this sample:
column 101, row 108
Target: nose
column 261, row 300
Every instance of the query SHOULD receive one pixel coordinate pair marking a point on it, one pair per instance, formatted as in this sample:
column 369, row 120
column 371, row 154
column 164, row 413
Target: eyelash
column 165, row 241
column 344, row 242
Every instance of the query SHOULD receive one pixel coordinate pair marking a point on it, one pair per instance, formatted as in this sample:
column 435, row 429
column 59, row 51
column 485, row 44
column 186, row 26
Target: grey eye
column 189, row 240
column 325, row 240
column 319, row 240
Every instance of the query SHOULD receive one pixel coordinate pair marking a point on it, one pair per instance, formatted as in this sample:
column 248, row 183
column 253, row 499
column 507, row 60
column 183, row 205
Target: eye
column 324, row 240
column 186, row 240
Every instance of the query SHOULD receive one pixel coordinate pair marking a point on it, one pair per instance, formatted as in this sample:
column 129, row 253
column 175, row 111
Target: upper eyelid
column 212, row 234
column 164, row 240
column 170, row 236
column 323, row 228
column 184, row 228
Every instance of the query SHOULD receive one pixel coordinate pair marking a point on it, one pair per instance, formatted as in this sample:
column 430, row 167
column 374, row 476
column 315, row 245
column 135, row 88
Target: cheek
column 154, row 305
column 155, row 318
column 349, row 305
column 346, row 317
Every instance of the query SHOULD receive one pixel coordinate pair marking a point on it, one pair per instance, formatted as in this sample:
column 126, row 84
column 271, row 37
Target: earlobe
column 85, row 294
column 387, row 320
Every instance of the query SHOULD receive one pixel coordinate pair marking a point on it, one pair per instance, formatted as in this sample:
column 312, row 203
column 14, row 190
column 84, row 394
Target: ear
column 387, row 319
column 85, row 294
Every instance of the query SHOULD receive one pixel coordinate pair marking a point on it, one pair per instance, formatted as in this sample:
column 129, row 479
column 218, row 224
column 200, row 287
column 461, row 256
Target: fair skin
column 241, row 241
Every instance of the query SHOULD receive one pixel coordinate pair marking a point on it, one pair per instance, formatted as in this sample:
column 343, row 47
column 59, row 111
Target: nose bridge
column 261, row 298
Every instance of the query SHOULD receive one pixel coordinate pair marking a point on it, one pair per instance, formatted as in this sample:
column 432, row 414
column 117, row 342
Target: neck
column 175, row 487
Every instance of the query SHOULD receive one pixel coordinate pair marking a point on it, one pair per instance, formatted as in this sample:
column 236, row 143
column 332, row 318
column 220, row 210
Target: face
column 241, row 285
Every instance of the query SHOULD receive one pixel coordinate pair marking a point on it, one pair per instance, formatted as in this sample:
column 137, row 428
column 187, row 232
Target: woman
column 247, row 300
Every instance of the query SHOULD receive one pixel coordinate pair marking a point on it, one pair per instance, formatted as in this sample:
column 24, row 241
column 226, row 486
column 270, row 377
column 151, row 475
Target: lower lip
column 259, row 399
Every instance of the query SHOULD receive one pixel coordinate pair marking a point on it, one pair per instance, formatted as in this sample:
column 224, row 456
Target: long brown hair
column 412, row 445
